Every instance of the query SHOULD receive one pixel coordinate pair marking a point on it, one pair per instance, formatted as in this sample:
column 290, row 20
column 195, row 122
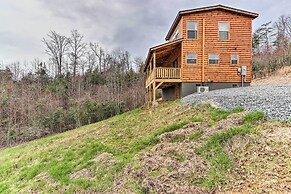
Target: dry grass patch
column 262, row 161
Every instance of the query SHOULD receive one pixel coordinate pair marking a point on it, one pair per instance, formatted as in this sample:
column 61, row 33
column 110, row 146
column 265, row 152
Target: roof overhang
column 209, row 8
column 171, row 45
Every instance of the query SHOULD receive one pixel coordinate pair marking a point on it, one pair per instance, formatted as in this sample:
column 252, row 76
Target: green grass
column 196, row 135
column 177, row 138
column 45, row 165
column 196, row 119
column 217, row 114
column 254, row 117
column 153, row 139
column 155, row 173
column 177, row 156
column 218, row 159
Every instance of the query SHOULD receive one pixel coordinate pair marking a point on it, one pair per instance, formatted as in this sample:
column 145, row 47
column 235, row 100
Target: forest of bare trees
column 272, row 46
column 81, row 83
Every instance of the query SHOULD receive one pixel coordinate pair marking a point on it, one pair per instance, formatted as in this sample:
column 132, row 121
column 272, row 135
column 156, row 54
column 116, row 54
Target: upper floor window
column 223, row 30
column 234, row 59
column 213, row 58
column 176, row 35
column 191, row 58
column 192, row 30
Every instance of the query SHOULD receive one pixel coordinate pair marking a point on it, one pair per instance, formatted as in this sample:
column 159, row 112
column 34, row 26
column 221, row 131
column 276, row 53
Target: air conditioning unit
column 202, row 89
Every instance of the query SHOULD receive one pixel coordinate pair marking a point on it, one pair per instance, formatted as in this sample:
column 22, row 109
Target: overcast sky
column 134, row 25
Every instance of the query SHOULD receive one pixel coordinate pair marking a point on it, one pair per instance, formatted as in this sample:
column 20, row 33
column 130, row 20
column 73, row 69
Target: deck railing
column 167, row 73
column 164, row 73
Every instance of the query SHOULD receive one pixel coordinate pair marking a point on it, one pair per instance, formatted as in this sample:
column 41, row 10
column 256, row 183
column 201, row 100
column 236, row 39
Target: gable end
column 204, row 9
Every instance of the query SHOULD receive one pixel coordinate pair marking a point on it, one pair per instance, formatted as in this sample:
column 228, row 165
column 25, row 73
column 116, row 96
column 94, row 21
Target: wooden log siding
column 160, row 70
column 240, row 38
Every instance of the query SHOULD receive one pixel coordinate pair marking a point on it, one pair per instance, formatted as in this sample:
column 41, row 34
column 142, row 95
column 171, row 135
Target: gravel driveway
column 274, row 101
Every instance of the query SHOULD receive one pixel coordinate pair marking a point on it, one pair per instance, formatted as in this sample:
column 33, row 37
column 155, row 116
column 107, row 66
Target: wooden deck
column 164, row 75
column 161, row 77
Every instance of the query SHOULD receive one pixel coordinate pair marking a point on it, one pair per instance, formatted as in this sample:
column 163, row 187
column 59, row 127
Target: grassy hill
column 166, row 149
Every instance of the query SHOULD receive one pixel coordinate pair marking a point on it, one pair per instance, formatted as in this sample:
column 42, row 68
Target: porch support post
column 147, row 73
column 146, row 95
column 150, row 92
column 154, row 83
column 151, row 63
column 154, row 58
column 154, row 91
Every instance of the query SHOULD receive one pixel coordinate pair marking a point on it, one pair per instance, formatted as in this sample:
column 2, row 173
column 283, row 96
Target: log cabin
column 207, row 48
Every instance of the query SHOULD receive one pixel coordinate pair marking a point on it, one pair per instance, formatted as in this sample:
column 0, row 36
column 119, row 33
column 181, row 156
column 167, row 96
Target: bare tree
column 91, row 60
column 77, row 50
column 139, row 64
column 15, row 70
column 271, row 46
column 57, row 47
column 262, row 38
column 39, row 103
column 282, row 32
column 100, row 54
column 266, row 34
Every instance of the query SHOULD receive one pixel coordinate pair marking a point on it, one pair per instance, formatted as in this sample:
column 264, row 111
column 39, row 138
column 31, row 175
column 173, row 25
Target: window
column 192, row 30
column 176, row 35
column 234, row 59
column 213, row 58
column 223, row 30
column 175, row 63
column 191, row 58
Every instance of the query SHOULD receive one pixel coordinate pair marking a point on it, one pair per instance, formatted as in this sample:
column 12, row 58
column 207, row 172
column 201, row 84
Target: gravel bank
column 274, row 101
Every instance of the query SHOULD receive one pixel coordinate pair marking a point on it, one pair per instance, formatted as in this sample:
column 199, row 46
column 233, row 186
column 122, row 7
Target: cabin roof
column 209, row 8
column 166, row 48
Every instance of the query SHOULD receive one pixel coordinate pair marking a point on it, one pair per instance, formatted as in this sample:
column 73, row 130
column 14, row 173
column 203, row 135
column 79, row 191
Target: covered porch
column 163, row 68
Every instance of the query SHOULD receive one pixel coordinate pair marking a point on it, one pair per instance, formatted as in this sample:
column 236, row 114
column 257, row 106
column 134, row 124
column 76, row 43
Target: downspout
column 203, row 51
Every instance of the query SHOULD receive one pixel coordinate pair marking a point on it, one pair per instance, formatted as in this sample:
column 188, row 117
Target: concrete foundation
column 169, row 93
column 186, row 88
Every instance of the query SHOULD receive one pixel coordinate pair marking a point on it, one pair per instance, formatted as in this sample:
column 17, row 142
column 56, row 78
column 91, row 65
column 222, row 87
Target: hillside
column 281, row 76
column 172, row 148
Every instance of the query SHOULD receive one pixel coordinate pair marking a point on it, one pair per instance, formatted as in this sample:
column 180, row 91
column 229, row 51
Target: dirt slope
column 259, row 161
column 169, row 149
column 282, row 76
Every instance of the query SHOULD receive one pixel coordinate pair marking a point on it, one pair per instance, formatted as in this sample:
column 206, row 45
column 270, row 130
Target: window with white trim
column 213, row 58
column 176, row 35
column 191, row 58
column 234, row 59
column 223, row 30
column 192, row 28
